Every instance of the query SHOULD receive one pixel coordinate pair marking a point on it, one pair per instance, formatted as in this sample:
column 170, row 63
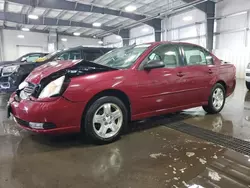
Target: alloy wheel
column 107, row 120
column 218, row 98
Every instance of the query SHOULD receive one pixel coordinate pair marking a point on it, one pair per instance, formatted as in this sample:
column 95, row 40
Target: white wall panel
column 113, row 41
column 233, row 46
column 76, row 41
column 10, row 42
column 176, row 29
column 231, row 6
column 239, row 57
column 230, row 40
column 177, row 20
column 140, row 31
column 188, row 32
column 141, row 34
column 38, row 40
column 232, row 23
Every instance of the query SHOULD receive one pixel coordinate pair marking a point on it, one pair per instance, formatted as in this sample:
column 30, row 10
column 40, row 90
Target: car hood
column 53, row 69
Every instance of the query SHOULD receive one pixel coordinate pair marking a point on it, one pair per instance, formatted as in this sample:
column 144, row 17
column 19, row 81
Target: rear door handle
column 180, row 74
column 210, row 71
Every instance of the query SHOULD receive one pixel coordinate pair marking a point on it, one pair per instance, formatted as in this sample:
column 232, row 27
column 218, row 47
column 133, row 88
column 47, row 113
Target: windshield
column 122, row 58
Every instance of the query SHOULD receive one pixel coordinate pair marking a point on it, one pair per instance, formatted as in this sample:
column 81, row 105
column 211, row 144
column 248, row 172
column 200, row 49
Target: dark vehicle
column 14, row 73
column 9, row 67
column 30, row 57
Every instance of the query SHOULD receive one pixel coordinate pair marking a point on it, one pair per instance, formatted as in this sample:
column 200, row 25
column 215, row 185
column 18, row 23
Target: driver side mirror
column 154, row 64
column 24, row 59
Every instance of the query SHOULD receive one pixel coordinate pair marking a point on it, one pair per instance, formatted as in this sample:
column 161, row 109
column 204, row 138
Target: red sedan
column 128, row 83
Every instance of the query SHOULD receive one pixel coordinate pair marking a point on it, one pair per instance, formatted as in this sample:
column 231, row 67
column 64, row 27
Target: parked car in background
column 7, row 67
column 129, row 83
column 247, row 77
column 30, row 57
column 14, row 73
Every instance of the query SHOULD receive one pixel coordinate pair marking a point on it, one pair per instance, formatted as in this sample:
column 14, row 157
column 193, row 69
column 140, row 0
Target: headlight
column 248, row 66
column 53, row 88
column 9, row 70
column 23, row 85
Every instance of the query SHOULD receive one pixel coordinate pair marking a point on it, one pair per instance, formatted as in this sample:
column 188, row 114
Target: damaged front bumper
column 49, row 117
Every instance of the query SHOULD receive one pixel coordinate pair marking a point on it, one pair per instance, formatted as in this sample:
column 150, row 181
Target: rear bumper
column 231, row 87
column 62, row 115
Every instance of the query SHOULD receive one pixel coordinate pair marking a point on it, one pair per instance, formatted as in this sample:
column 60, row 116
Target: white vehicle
column 247, row 77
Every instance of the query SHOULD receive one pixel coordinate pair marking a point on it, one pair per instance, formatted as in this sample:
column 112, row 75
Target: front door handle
column 180, row 74
column 210, row 71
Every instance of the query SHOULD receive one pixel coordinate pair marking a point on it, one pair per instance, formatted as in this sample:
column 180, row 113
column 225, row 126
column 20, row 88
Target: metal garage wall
column 176, row 28
column 76, row 41
column 232, row 39
column 10, row 42
column 113, row 41
column 141, row 34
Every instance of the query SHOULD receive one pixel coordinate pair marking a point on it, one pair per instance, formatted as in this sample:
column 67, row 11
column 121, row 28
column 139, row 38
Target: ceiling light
column 97, row 24
column 77, row 34
column 130, row 8
column 145, row 30
column 64, row 39
column 100, row 42
column 20, row 36
column 33, row 17
column 187, row 18
column 25, row 29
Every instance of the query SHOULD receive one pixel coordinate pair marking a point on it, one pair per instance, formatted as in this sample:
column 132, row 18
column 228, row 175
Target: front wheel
column 105, row 119
column 216, row 100
column 248, row 85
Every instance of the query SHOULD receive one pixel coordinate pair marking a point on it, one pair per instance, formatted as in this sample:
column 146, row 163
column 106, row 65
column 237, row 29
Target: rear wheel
column 216, row 99
column 105, row 119
column 248, row 85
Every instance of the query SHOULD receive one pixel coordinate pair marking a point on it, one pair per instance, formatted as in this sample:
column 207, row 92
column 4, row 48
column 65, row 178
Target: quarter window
column 168, row 54
column 194, row 55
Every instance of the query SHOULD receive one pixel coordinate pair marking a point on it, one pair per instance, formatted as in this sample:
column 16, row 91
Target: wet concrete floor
column 150, row 155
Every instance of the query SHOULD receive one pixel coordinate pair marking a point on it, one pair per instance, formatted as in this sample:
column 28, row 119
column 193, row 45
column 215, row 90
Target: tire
column 99, row 121
column 248, row 85
column 214, row 107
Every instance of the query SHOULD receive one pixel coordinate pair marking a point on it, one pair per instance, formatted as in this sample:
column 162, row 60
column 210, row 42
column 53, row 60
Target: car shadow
column 79, row 140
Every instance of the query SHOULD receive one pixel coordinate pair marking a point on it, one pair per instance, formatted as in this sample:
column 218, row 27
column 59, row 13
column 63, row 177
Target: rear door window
column 196, row 55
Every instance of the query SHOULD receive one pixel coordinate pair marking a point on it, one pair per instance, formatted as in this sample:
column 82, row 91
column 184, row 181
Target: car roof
column 170, row 42
column 36, row 53
column 88, row 47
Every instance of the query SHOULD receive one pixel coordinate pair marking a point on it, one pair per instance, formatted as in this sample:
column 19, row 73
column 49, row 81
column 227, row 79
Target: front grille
column 247, row 74
column 30, row 89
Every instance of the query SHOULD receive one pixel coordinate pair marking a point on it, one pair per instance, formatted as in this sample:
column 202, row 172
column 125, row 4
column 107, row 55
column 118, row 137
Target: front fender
column 82, row 93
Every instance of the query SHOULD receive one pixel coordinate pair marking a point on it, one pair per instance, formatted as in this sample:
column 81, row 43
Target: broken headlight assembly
column 9, row 70
column 52, row 89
